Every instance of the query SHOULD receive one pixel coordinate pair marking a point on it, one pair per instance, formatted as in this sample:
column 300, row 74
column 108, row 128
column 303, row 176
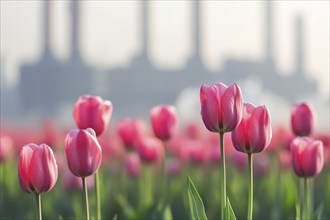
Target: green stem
column 250, row 202
column 223, row 177
column 86, row 197
column 98, row 196
column 310, row 189
column 302, row 199
column 308, row 197
column 38, row 200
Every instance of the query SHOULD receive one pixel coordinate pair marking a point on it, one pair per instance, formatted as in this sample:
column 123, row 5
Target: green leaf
column 196, row 205
column 318, row 213
column 115, row 217
column 230, row 211
column 297, row 211
column 125, row 206
column 168, row 213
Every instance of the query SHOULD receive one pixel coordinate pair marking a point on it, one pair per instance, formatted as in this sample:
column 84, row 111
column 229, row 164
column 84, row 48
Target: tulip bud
column 254, row 133
column 150, row 149
column 6, row 148
column 133, row 164
column 164, row 121
column 83, row 152
column 37, row 168
column 302, row 119
column 92, row 112
column 221, row 107
column 130, row 130
column 307, row 156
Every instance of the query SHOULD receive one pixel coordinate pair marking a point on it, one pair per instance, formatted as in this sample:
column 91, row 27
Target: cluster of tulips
column 232, row 123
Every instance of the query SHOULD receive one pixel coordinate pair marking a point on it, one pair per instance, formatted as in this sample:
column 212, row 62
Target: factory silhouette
column 49, row 84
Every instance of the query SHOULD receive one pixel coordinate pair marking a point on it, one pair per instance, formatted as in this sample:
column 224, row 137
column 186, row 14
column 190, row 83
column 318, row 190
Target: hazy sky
column 110, row 33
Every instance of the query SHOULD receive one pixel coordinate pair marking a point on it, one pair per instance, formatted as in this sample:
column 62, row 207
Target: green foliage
column 196, row 205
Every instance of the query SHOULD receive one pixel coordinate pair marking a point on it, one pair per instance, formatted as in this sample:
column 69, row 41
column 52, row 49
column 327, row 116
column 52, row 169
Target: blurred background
column 142, row 53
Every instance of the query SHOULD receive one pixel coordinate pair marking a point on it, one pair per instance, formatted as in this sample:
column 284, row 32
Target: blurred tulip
column 285, row 159
column 151, row 149
column 37, row 168
column 112, row 148
column 130, row 130
column 302, row 119
column 50, row 134
column 133, row 164
column 221, row 107
column 6, row 148
column 307, row 156
column 174, row 167
column 71, row 182
column 83, row 152
column 164, row 121
column 281, row 139
column 254, row 133
column 92, row 112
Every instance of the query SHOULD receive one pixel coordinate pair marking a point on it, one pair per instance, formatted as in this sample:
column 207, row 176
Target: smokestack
column 299, row 45
column 269, row 31
column 46, row 26
column 196, row 27
column 144, row 29
column 75, row 16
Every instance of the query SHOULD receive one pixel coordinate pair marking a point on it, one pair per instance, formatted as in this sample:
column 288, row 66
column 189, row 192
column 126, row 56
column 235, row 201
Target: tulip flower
column 130, row 130
column 83, row 152
column 221, row 107
column 221, row 111
column 302, row 119
column 37, row 170
column 150, row 149
column 6, row 148
column 92, row 112
column 307, row 161
column 133, row 164
column 307, row 156
column 164, row 121
column 84, row 156
column 252, row 135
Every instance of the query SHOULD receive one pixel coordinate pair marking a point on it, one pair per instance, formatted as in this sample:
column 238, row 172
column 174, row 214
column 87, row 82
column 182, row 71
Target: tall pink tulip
column 37, row 171
column 221, row 111
column 83, row 152
column 37, row 168
column 307, row 156
column 302, row 119
column 92, row 112
column 164, row 121
column 254, row 133
column 221, row 107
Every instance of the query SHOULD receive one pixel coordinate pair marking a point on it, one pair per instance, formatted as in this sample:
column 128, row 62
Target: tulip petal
column 232, row 108
column 209, row 108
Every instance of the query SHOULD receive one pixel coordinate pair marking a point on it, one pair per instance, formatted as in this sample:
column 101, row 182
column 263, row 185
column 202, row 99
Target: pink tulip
column 37, row 168
column 164, row 121
column 254, row 133
column 307, row 156
column 302, row 119
column 71, row 182
column 6, row 148
column 130, row 130
column 83, row 152
column 221, row 107
column 151, row 149
column 133, row 164
column 92, row 112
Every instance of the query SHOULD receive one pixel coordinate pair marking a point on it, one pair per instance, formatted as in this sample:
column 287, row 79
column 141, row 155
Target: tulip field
column 233, row 162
